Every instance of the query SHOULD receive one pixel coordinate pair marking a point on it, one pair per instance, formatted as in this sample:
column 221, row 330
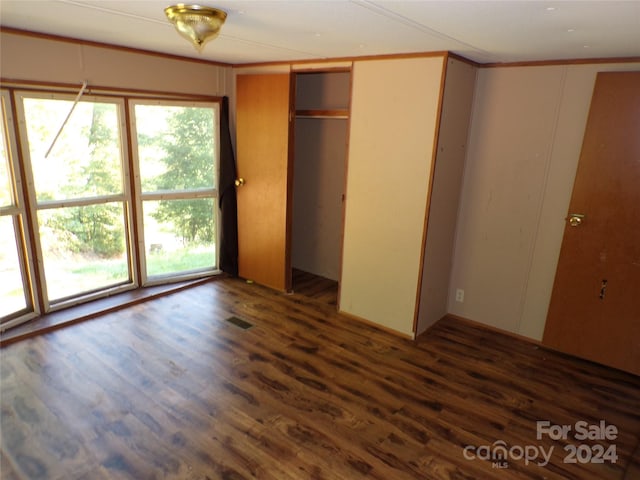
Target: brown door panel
column 264, row 135
column 595, row 304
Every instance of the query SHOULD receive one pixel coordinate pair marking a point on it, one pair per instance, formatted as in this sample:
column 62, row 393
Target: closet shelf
column 322, row 113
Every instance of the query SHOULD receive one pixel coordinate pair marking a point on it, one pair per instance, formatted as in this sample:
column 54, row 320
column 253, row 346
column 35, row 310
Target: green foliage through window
column 187, row 162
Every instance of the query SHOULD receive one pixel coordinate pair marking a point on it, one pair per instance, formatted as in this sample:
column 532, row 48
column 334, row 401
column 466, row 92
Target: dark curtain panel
column 227, row 202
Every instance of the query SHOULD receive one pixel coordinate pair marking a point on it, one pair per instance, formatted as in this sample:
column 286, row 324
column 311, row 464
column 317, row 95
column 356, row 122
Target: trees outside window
column 80, row 196
column 82, row 204
column 177, row 158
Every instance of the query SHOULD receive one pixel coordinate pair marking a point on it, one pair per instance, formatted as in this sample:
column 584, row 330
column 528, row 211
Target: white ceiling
column 265, row 31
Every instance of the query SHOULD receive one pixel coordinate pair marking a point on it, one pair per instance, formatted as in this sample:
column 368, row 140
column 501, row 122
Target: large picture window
column 80, row 194
column 176, row 153
column 99, row 222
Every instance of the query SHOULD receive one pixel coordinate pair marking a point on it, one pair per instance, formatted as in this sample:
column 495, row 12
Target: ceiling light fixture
column 196, row 23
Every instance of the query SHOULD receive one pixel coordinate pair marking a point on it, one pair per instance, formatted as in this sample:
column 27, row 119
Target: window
column 97, row 222
column 176, row 153
column 80, row 195
column 16, row 293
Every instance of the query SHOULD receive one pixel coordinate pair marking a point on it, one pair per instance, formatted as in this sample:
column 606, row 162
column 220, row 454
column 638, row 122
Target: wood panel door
column 264, row 137
column 595, row 304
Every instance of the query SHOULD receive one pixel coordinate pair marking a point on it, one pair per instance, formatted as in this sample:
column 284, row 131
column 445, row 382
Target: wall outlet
column 459, row 295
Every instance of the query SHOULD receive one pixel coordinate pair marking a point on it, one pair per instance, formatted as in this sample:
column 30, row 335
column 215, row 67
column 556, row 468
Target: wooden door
column 595, row 304
column 264, row 145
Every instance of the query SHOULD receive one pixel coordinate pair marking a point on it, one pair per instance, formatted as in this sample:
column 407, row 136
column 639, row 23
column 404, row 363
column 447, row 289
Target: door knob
column 575, row 219
column 239, row 182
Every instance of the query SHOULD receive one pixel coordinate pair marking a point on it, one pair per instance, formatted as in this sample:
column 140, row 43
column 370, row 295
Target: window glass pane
column 175, row 147
column 6, row 193
column 12, row 298
column 179, row 235
column 83, row 248
column 86, row 160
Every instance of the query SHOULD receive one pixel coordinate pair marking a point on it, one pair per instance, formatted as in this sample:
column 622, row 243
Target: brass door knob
column 239, row 182
column 575, row 219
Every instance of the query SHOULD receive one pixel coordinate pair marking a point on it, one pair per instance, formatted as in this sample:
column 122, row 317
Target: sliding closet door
column 264, row 145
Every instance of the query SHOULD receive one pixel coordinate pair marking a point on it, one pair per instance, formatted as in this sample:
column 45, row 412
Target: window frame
column 30, row 256
column 18, row 213
column 124, row 198
column 198, row 193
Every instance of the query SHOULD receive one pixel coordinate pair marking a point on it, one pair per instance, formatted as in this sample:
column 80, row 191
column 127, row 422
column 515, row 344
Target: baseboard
column 358, row 319
column 491, row 328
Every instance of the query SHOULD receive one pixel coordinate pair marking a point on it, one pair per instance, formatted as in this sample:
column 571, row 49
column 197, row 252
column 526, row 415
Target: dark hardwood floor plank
column 170, row 389
column 312, row 286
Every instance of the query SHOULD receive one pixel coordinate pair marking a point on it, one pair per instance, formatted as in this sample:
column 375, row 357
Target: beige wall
column 445, row 193
column 526, row 135
column 38, row 59
column 323, row 91
column 318, row 185
column 394, row 108
column 319, row 174
column 524, row 145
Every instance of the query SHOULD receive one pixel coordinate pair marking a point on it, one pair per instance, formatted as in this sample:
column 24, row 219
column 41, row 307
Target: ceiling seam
column 113, row 12
column 261, row 44
column 375, row 8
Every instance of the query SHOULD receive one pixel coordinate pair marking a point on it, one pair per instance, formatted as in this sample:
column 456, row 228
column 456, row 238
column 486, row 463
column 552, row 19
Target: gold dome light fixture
column 196, row 23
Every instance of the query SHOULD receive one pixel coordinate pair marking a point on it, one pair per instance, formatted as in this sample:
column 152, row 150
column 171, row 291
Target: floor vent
column 238, row 322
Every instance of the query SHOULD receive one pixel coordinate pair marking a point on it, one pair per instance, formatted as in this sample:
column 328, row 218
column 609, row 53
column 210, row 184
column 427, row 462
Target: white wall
column 446, row 192
column 394, row 109
column 526, row 135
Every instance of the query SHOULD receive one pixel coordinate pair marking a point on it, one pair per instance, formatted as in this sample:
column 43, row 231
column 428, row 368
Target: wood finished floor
column 317, row 288
column 169, row 389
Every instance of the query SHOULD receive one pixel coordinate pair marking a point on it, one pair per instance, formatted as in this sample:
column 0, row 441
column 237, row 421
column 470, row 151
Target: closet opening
column 320, row 152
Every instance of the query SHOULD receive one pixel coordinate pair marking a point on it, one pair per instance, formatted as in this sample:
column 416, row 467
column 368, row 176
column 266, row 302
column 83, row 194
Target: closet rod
column 323, row 113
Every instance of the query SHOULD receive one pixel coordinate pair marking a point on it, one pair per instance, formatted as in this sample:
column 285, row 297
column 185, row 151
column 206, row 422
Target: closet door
column 264, row 162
